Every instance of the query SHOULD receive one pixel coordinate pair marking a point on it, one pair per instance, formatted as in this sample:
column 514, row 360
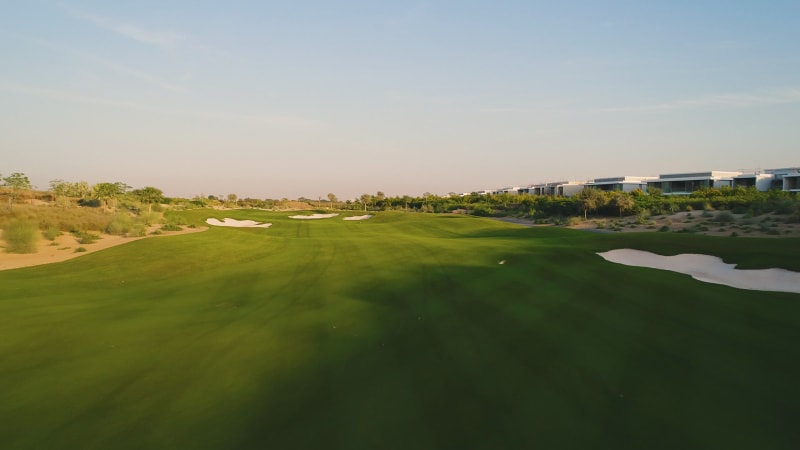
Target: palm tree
column 365, row 198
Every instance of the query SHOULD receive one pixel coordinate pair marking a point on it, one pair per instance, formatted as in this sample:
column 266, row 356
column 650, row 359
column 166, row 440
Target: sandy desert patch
column 65, row 245
column 228, row 222
column 709, row 269
column 315, row 216
column 364, row 217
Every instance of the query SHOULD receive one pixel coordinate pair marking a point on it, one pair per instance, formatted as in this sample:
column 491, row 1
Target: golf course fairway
column 398, row 332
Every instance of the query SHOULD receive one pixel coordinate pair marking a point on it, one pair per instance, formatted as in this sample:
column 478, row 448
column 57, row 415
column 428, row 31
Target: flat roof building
column 686, row 183
column 624, row 183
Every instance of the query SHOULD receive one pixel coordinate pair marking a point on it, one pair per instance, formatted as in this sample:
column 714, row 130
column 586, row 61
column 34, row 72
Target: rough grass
column 402, row 331
column 21, row 236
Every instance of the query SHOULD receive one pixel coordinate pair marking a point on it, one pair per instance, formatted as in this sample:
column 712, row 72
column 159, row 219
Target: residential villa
column 787, row 179
column 624, row 183
column 556, row 188
column 686, row 183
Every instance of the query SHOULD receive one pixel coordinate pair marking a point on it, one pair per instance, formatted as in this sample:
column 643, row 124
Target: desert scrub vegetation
column 21, row 236
column 66, row 220
column 84, row 237
column 51, row 233
column 125, row 224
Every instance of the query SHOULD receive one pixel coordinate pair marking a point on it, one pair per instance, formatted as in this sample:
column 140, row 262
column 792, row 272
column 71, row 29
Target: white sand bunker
column 365, row 217
column 315, row 216
column 227, row 222
column 710, row 269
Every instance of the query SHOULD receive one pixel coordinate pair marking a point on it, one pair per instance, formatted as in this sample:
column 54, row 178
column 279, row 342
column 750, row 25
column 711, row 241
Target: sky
column 274, row 99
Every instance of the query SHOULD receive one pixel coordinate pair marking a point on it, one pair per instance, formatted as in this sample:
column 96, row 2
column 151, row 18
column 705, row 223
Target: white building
column 624, row 183
column 556, row 188
column 686, row 183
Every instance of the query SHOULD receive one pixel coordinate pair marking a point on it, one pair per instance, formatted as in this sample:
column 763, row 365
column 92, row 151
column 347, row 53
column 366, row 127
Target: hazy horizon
column 273, row 100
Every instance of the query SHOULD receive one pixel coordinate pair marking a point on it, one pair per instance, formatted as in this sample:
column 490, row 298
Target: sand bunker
column 358, row 217
column 315, row 216
column 710, row 269
column 227, row 222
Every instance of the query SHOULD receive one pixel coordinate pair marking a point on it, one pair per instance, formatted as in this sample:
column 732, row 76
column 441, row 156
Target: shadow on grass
column 471, row 357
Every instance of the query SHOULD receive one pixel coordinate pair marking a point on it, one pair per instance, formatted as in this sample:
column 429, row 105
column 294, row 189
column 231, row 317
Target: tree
column 149, row 195
column 624, row 202
column 232, row 198
column 590, row 200
column 16, row 182
column 79, row 189
column 379, row 198
column 107, row 192
column 332, row 199
column 60, row 190
column 365, row 199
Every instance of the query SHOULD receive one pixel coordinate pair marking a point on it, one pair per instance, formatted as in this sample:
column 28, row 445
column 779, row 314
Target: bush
column 643, row 216
column 21, row 236
column 51, row 233
column 119, row 226
column 137, row 230
column 171, row 227
column 80, row 249
column 84, row 237
column 572, row 221
column 664, row 228
column 724, row 217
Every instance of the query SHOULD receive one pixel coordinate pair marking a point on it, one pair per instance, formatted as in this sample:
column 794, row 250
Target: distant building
column 623, row 184
column 556, row 188
column 759, row 180
column 686, row 183
column 789, row 178
column 515, row 190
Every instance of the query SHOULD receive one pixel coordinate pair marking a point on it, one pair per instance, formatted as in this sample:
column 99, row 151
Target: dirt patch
column 64, row 246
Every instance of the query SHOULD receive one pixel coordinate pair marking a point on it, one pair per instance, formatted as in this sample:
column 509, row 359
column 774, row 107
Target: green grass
column 401, row 331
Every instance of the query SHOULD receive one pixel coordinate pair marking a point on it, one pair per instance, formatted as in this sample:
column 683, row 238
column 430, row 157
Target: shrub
column 20, row 236
column 572, row 221
column 51, row 233
column 724, row 217
column 80, row 249
column 734, row 234
column 643, row 216
column 137, row 230
column 119, row 226
column 84, row 237
column 171, row 227
column 664, row 228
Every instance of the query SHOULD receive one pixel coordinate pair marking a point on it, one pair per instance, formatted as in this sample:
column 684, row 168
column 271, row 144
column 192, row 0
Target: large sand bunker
column 315, row 216
column 710, row 269
column 227, row 222
column 364, row 217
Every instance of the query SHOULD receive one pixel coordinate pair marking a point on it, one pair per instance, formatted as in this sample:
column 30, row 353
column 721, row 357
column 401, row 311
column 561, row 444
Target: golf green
column 402, row 331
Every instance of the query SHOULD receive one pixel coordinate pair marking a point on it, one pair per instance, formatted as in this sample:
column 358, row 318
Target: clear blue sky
column 301, row 98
